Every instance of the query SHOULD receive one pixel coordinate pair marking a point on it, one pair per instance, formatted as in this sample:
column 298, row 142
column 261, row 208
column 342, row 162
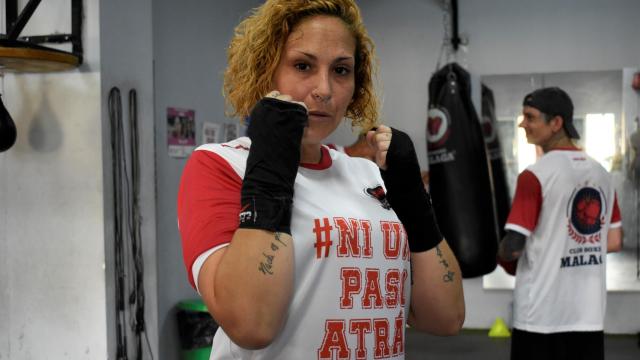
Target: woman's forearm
column 250, row 290
column 437, row 299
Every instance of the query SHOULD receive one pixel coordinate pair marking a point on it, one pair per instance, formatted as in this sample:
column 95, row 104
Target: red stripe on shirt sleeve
column 208, row 205
column 526, row 202
column 615, row 215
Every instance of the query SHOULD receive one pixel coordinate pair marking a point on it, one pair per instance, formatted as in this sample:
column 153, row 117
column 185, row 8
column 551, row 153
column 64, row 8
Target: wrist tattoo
column 266, row 265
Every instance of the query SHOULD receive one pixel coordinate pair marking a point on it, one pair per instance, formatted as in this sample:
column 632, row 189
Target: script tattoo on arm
column 266, row 265
column 449, row 275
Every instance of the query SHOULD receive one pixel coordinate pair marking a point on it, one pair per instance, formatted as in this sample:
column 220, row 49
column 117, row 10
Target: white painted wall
column 52, row 278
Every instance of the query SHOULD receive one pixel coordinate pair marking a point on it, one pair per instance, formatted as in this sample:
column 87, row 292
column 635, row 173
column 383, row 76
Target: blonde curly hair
column 256, row 47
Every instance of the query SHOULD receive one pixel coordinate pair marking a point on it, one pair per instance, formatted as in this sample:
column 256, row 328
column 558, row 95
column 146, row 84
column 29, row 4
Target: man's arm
column 614, row 239
column 511, row 246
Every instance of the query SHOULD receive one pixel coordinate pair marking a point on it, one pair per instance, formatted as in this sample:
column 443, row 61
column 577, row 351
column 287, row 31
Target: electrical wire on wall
column 634, row 139
column 129, row 265
column 451, row 41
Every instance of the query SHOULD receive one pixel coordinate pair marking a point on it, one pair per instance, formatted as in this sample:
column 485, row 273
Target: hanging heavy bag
column 459, row 172
column 494, row 151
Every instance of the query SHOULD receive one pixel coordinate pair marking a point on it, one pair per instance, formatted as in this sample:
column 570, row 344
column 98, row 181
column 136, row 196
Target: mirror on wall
column 601, row 122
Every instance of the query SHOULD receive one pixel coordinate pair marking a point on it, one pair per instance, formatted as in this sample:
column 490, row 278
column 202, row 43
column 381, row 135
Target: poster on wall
column 210, row 132
column 181, row 132
column 231, row 131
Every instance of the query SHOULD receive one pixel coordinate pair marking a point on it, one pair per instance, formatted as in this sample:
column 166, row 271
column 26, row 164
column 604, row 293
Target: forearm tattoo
column 449, row 275
column 266, row 265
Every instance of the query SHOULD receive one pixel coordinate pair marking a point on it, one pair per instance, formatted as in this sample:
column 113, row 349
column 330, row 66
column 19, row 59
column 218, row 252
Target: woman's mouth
column 319, row 115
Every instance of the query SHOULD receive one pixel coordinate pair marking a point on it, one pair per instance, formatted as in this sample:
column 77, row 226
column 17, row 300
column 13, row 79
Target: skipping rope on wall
column 129, row 264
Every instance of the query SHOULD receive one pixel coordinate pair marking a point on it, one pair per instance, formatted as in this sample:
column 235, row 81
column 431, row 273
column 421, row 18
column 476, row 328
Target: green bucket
column 196, row 328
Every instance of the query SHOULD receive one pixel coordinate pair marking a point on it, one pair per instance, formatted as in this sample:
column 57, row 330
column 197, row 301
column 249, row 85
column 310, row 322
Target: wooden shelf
column 35, row 60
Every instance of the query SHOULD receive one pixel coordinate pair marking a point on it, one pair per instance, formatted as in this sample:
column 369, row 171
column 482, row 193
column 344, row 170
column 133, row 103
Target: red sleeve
column 208, row 205
column 615, row 215
column 527, row 202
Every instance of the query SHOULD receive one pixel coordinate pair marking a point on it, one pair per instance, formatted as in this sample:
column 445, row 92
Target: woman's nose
column 322, row 91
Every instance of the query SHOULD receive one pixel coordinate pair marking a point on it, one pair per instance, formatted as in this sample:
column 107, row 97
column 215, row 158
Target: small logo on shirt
column 247, row 215
column 379, row 194
column 586, row 213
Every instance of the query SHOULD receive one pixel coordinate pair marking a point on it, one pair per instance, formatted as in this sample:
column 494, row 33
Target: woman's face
column 317, row 67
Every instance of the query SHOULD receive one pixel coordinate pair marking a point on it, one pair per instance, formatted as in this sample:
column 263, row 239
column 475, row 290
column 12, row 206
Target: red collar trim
column 568, row 148
column 325, row 161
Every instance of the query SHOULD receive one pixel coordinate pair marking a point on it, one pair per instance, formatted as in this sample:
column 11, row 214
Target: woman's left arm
column 437, row 299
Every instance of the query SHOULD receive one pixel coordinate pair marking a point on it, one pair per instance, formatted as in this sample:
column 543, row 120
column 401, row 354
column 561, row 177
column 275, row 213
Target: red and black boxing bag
column 459, row 172
column 494, row 151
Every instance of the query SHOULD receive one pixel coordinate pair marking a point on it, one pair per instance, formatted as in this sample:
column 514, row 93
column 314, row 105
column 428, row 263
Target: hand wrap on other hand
column 275, row 131
column 407, row 195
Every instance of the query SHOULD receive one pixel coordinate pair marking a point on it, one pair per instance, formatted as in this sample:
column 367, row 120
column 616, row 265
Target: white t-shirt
column 352, row 276
column 565, row 204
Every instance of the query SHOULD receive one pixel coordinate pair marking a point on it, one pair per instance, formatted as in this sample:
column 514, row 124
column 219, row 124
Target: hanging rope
column 119, row 174
column 137, row 295
column 129, row 261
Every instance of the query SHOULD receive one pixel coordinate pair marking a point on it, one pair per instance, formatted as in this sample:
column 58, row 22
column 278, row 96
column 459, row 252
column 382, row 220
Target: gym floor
column 475, row 344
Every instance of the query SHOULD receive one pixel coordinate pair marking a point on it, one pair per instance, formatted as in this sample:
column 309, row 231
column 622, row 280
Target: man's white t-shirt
column 565, row 203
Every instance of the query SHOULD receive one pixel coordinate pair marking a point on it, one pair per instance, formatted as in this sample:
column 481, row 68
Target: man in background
column 563, row 221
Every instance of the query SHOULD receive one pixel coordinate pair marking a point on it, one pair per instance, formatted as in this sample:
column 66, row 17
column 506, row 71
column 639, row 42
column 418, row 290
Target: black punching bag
column 494, row 150
column 7, row 129
column 459, row 172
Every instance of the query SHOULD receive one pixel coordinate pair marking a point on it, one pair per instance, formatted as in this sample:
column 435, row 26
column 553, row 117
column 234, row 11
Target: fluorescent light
column 600, row 138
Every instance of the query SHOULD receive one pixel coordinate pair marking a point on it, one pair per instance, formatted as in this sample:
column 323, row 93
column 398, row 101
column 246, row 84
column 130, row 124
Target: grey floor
column 475, row 344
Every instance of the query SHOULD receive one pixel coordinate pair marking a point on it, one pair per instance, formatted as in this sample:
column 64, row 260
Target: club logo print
column 586, row 214
column 438, row 128
column 379, row 194
column 488, row 130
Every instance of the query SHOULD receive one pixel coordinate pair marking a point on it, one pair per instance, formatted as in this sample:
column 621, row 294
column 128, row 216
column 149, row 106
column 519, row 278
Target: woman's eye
column 302, row 66
column 342, row 70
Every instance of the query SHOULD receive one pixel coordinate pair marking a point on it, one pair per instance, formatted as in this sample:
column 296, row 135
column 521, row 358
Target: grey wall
column 189, row 38
column 52, row 277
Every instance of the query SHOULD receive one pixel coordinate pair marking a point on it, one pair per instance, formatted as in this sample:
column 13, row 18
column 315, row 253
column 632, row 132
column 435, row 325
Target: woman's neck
column 310, row 154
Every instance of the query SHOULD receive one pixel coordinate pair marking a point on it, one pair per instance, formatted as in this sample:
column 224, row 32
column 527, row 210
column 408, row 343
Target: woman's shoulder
column 232, row 154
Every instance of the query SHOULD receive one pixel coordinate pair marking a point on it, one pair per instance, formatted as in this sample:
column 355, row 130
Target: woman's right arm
column 246, row 283
column 247, row 286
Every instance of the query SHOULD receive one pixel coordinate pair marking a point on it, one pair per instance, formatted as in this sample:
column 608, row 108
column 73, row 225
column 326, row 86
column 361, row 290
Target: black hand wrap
column 407, row 196
column 275, row 130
